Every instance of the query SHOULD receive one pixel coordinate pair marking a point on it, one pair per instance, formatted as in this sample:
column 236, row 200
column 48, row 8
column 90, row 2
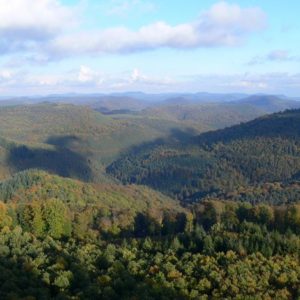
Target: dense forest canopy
column 133, row 206
column 219, row 250
column 215, row 163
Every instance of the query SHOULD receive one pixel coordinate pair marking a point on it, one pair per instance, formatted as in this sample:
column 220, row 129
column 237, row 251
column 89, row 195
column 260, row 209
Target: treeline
column 282, row 218
column 277, row 193
column 58, row 219
column 54, row 218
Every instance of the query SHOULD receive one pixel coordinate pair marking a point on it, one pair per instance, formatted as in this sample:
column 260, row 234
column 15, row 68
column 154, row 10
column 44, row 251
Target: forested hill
column 82, row 208
column 62, row 238
column 211, row 115
column 269, row 103
column 58, row 240
column 71, row 141
column 78, row 142
column 218, row 115
column 261, row 151
column 279, row 125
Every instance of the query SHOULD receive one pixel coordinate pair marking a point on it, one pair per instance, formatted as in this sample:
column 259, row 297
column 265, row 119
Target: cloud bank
column 222, row 25
column 88, row 80
column 26, row 25
column 42, row 28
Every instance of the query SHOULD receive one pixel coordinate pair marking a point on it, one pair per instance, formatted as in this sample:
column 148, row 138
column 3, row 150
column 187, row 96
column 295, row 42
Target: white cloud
column 83, row 79
column 222, row 25
column 86, row 74
column 268, row 83
column 136, row 75
column 40, row 29
column 227, row 24
column 12, row 82
column 5, row 74
column 26, row 23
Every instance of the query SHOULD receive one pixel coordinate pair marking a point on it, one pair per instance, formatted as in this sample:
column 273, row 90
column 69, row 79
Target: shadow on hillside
column 181, row 135
column 63, row 141
column 177, row 136
column 61, row 161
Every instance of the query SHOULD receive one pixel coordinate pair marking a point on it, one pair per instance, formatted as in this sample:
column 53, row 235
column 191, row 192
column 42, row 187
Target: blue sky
column 155, row 46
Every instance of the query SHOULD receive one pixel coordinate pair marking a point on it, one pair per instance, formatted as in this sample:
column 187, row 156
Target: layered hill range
column 179, row 145
column 254, row 161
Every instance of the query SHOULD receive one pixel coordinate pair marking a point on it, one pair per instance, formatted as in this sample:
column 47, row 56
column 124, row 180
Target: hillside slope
column 78, row 142
column 217, row 115
column 69, row 140
column 269, row 103
column 212, row 115
column 264, row 150
column 109, row 205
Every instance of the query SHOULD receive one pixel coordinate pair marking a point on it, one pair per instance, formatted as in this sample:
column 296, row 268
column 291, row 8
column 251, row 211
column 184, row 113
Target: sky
column 154, row 46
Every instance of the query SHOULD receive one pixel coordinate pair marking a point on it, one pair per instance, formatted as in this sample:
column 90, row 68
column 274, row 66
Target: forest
column 172, row 213
column 217, row 249
column 263, row 151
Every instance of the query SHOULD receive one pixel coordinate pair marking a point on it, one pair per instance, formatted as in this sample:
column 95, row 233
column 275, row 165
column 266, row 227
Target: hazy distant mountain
column 212, row 115
column 203, row 98
column 221, row 114
column 269, row 103
column 137, row 101
column 118, row 103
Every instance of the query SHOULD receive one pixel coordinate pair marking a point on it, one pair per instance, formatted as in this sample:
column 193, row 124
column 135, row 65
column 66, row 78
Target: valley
column 103, row 204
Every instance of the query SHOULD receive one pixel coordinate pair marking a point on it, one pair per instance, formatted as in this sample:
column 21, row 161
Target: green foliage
column 56, row 216
column 71, row 141
column 53, row 244
column 65, row 239
column 247, row 262
column 256, row 161
column 48, row 204
column 206, row 116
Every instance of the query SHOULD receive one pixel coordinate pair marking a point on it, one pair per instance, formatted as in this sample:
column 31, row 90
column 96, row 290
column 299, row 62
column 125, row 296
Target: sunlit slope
column 264, row 150
column 68, row 140
column 109, row 200
column 218, row 115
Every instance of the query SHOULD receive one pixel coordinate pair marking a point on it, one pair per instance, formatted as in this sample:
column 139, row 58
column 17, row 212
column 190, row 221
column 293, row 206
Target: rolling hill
column 79, row 142
column 65, row 238
column 269, row 103
column 212, row 115
column 71, row 141
column 260, row 151
column 219, row 114
column 114, row 206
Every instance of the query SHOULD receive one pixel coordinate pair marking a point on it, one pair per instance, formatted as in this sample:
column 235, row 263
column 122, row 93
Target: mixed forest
column 163, row 202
